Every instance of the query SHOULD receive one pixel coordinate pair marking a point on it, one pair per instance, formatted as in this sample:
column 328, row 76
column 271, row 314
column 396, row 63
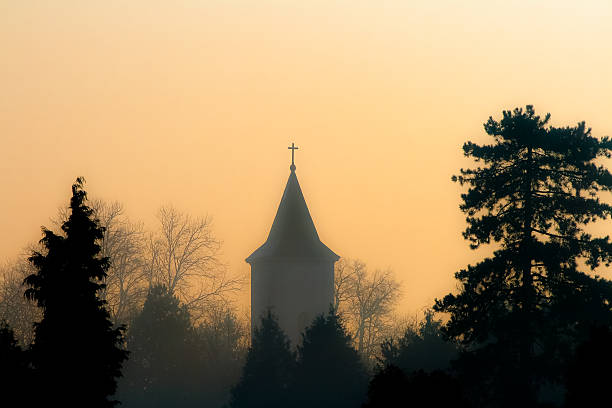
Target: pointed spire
column 293, row 233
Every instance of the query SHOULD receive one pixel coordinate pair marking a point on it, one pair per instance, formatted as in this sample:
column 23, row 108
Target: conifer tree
column 519, row 311
column 77, row 354
column 267, row 372
column 421, row 348
column 588, row 375
column 329, row 371
column 162, row 370
column 14, row 370
column 391, row 387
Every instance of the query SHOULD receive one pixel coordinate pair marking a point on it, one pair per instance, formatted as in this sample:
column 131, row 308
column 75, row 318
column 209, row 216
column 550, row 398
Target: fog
column 446, row 242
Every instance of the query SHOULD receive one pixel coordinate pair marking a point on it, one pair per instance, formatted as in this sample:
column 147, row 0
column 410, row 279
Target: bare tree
column 184, row 258
column 19, row 312
column 123, row 243
column 365, row 300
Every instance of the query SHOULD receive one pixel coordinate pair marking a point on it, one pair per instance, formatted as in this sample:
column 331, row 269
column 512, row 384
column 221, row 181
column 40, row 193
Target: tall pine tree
column 268, row 369
column 519, row 311
column 77, row 354
column 329, row 371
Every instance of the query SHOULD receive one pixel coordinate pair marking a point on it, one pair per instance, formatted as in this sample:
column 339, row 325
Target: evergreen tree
column 76, row 354
column 519, row 311
column 422, row 349
column 329, row 371
column 390, row 387
column 14, row 370
column 268, row 368
column 222, row 346
column 162, row 370
column 589, row 376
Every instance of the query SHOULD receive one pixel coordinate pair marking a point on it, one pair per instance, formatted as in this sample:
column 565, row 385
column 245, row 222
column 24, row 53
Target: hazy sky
column 195, row 102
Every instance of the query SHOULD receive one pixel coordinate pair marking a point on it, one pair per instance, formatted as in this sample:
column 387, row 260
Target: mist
column 333, row 203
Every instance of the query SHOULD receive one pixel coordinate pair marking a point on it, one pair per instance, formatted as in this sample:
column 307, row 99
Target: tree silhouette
column 76, row 354
column 222, row 342
column 589, row 375
column 268, row 368
column 519, row 310
column 329, row 371
column 19, row 312
column 422, row 349
column 162, row 370
column 184, row 257
column 365, row 299
column 14, row 370
column 390, row 387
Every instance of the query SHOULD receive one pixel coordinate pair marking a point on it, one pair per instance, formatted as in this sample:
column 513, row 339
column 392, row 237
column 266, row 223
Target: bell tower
column 292, row 273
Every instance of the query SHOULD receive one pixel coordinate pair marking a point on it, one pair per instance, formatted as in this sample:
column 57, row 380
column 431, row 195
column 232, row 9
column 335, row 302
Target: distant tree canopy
column 365, row 300
column 15, row 309
column 222, row 341
column 127, row 280
column 181, row 254
column 519, row 311
column 173, row 363
column 161, row 366
column 76, row 354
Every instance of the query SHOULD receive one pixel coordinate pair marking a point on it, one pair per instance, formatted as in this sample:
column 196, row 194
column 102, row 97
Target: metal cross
column 293, row 148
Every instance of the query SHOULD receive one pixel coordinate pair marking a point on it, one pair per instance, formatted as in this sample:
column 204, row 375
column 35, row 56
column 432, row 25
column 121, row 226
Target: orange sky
column 195, row 102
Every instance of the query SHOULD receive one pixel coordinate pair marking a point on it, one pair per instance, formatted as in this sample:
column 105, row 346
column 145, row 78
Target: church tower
column 292, row 273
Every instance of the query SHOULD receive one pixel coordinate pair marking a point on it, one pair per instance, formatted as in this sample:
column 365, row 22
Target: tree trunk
column 527, row 290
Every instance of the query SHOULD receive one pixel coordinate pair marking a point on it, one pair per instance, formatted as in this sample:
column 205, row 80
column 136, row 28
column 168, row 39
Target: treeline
column 83, row 326
column 169, row 297
column 528, row 326
column 326, row 370
column 180, row 254
column 174, row 363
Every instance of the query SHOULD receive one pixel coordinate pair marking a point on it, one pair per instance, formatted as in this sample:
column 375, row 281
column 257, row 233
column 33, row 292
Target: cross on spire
column 293, row 148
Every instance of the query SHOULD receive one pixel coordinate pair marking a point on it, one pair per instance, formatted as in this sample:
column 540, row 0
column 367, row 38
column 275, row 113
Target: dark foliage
column 388, row 388
column 268, row 369
column 422, row 349
column 163, row 367
column 76, row 354
column 14, row 369
column 392, row 388
column 589, row 375
column 221, row 350
column 329, row 371
column 520, row 311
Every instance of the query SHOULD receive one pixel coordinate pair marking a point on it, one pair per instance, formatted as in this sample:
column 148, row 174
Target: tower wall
column 296, row 291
